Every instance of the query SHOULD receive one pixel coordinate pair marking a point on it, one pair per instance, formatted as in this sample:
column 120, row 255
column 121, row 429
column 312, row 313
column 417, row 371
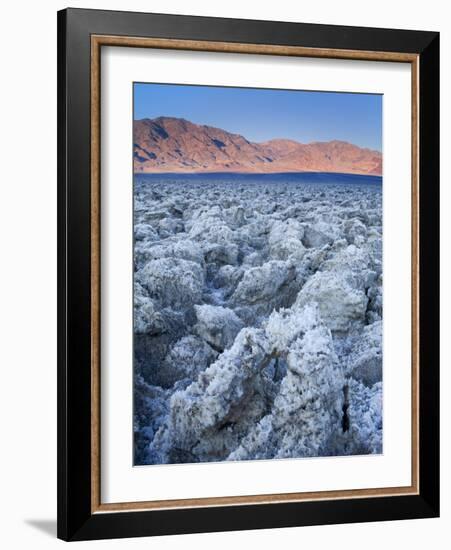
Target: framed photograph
column 248, row 274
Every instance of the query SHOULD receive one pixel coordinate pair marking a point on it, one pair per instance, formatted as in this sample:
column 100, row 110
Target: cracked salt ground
column 257, row 318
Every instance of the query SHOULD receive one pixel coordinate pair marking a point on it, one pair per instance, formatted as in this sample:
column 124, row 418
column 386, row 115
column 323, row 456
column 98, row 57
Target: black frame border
column 75, row 520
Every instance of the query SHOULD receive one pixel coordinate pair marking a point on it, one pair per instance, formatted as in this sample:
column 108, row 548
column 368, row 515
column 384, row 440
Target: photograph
column 257, row 274
column 248, row 272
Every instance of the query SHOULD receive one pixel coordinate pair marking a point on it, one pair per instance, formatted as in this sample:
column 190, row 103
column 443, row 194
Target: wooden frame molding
column 81, row 35
column 97, row 41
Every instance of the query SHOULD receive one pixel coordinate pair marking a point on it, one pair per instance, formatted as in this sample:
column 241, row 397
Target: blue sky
column 260, row 114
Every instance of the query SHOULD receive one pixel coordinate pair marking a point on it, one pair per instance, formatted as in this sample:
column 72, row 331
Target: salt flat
column 257, row 317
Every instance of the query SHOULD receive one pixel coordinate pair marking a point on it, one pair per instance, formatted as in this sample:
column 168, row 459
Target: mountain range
column 169, row 144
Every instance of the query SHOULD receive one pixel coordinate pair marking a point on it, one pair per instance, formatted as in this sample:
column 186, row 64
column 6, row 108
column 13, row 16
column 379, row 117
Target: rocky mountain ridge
column 168, row 144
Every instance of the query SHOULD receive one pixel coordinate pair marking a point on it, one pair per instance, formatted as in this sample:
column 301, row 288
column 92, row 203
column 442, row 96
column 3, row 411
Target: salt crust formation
column 257, row 320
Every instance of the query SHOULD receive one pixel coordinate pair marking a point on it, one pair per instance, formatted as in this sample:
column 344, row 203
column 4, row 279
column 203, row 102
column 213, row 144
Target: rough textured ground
column 258, row 320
